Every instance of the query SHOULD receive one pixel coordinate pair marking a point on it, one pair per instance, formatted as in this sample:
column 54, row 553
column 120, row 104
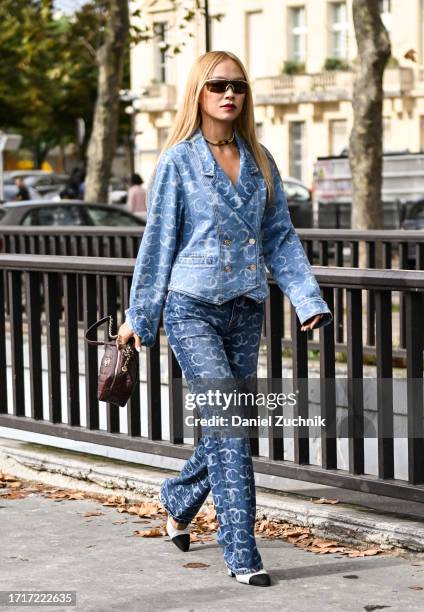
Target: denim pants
column 217, row 342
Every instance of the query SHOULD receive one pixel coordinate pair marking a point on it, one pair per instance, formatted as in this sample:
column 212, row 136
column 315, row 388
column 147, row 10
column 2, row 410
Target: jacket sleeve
column 285, row 257
column 156, row 252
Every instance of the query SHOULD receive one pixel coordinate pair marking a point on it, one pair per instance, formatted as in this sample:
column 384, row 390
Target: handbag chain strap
column 97, row 324
column 113, row 336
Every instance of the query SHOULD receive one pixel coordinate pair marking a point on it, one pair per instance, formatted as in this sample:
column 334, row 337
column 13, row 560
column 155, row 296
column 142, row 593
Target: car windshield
column 55, row 215
column 294, row 191
column 103, row 216
column 417, row 211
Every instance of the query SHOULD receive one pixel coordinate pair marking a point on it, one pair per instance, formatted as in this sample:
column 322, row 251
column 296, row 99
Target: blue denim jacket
column 212, row 240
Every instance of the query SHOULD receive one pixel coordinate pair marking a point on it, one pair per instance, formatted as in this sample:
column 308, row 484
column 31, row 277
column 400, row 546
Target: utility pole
column 207, row 27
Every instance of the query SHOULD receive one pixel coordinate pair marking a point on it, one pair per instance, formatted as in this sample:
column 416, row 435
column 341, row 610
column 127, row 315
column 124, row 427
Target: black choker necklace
column 221, row 142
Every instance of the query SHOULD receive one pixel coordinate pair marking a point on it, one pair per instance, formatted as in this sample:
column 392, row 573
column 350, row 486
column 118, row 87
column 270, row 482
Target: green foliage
column 47, row 77
column 48, row 68
column 293, row 67
column 48, row 72
column 335, row 63
column 393, row 62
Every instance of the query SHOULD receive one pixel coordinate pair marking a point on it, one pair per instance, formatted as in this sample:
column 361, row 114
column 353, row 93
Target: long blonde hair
column 188, row 117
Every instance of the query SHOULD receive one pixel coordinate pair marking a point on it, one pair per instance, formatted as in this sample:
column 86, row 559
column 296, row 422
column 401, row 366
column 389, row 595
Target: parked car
column 11, row 175
column 299, row 200
column 414, row 219
column 49, row 185
column 40, row 184
column 66, row 212
column 117, row 191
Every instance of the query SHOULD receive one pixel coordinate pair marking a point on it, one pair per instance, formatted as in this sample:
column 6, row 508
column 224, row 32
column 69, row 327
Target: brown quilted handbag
column 118, row 374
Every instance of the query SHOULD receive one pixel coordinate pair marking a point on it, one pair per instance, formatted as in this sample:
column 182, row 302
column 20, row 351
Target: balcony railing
column 325, row 86
column 158, row 97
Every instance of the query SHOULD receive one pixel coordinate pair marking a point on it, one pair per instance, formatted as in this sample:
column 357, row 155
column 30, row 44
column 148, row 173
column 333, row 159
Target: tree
column 365, row 145
column 47, row 73
column 110, row 59
column 104, row 133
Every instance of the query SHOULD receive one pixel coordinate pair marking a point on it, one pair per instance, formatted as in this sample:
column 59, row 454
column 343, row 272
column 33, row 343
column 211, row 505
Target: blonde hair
column 188, row 117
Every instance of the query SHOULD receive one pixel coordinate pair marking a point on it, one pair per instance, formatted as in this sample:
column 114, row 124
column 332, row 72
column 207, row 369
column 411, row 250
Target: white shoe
column 260, row 578
column 180, row 537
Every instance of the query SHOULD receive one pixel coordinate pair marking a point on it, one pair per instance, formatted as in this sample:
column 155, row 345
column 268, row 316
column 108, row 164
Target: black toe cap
column 182, row 541
column 260, row 580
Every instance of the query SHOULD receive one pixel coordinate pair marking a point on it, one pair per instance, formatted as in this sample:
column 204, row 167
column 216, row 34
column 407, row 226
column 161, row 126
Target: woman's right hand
column 125, row 332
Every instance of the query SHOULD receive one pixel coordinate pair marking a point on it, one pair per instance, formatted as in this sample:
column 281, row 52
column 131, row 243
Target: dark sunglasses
column 220, row 85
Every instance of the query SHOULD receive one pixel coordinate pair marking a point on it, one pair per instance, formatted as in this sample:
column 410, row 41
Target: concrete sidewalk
column 47, row 545
column 358, row 518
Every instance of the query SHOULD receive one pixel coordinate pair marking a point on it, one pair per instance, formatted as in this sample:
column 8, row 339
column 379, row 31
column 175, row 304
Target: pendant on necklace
column 221, row 142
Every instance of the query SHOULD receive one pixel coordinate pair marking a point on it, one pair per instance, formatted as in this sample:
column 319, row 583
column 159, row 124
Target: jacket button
column 252, row 241
column 252, row 266
column 227, row 242
column 227, row 268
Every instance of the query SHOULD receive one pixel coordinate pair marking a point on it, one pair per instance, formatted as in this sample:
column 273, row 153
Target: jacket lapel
column 240, row 196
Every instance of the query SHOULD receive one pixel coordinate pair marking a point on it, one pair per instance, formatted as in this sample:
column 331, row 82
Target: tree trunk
column 103, row 139
column 365, row 146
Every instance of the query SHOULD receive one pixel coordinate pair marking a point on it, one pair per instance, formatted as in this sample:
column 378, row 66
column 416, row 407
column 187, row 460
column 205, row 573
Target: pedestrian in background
column 136, row 199
column 218, row 216
column 23, row 193
column 74, row 188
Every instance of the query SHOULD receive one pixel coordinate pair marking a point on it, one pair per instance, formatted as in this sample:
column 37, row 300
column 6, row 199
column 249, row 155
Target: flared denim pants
column 217, row 342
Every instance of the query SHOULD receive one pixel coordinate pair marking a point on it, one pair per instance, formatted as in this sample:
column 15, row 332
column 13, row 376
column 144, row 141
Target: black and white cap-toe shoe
column 180, row 537
column 260, row 578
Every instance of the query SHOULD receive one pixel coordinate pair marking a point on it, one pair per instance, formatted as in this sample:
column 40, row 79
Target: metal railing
column 62, row 401
column 401, row 248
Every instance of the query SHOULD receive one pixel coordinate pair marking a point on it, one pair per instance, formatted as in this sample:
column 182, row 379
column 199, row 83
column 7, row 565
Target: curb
column 70, row 469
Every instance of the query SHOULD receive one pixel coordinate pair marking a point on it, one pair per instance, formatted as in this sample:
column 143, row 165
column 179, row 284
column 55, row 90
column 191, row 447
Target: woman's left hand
column 310, row 323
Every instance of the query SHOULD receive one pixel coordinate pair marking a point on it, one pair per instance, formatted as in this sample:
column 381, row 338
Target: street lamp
column 207, row 27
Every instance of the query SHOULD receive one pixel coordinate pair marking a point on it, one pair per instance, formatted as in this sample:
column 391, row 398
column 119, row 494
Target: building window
column 296, row 149
column 256, row 52
column 385, row 6
column 338, row 136
column 386, row 13
column 259, row 130
column 162, row 133
column 387, row 128
column 339, row 28
column 160, row 59
column 422, row 133
column 297, row 33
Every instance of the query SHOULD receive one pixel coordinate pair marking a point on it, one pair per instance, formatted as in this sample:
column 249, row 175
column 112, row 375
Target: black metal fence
column 396, row 248
column 48, row 320
column 400, row 248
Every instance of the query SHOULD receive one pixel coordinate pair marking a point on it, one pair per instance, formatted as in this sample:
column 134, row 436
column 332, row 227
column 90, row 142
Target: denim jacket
column 214, row 240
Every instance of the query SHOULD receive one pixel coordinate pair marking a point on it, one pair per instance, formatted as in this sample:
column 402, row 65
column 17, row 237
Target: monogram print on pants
column 217, row 342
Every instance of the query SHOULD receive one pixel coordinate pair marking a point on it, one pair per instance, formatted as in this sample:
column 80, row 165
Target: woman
column 136, row 200
column 216, row 215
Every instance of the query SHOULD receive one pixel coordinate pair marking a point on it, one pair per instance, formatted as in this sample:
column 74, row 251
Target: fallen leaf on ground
column 15, row 495
column 371, row 551
column 115, row 500
column 195, row 565
column 155, row 532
